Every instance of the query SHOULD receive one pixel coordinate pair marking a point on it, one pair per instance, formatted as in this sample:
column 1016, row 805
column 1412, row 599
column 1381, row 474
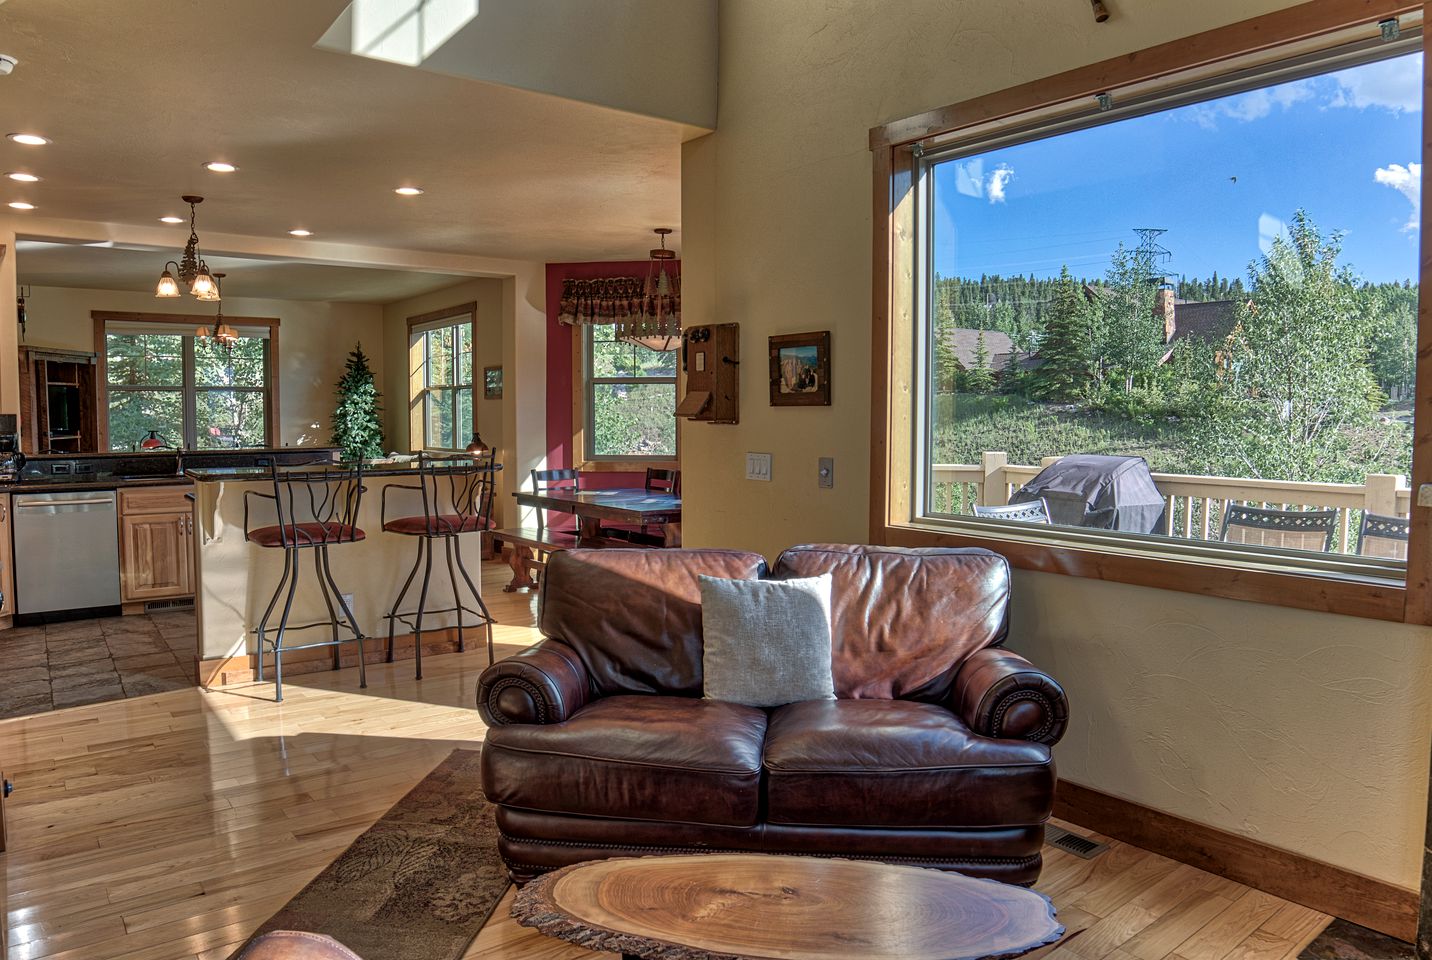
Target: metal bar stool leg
column 476, row 595
column 422, row 605
column 456, row 594
column 318, row 554
column 273, row 601
column 347, row 615
column 282, row 625
column 398, row 603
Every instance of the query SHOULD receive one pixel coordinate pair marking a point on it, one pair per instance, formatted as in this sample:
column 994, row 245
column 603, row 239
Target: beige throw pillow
column 767, row 641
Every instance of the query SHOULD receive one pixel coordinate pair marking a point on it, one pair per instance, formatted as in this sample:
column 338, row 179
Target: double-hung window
column 190, row 391
column 628, row 399
column 1166, row 334
column 440, row 354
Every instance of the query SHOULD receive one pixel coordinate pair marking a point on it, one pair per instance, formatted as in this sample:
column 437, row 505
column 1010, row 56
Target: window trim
column 1309, row 28
column 461, row 314
column 582, row 417
column 102, row 318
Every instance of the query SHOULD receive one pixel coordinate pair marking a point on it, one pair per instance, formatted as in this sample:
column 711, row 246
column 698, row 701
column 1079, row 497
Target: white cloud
column 998, row 180
column 1408, row 182
column 1253, row 105
column 1394, row 85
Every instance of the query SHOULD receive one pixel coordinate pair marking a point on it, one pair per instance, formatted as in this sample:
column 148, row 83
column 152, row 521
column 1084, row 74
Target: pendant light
column 656, row 324
column 190, row 270
column 221, row 333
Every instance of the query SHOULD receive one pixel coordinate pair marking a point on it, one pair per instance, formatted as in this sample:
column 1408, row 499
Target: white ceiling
column 42, row 264
column 137, row 95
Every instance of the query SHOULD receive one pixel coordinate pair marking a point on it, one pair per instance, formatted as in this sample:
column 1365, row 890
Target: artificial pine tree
column 356, row 427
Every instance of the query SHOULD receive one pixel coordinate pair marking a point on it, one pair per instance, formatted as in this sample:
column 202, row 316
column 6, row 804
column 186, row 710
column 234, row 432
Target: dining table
column 595, row 509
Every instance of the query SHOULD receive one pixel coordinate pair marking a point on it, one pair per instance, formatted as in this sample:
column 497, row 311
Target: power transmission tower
column 1152, row 252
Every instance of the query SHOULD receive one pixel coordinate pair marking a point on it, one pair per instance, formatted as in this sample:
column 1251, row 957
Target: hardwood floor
column 169, row 826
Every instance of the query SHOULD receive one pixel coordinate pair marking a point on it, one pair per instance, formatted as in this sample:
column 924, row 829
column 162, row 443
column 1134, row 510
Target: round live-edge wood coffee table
column 766, row 907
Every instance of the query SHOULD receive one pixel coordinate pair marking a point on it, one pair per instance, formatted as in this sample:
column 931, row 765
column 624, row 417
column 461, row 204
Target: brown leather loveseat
column 935, row 752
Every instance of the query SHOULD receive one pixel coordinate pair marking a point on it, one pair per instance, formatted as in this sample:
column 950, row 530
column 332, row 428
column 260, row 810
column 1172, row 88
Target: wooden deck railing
column 1195, row 504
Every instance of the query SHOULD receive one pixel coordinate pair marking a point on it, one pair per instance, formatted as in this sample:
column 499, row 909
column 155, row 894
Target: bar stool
column 316, row 506
column 457, row 494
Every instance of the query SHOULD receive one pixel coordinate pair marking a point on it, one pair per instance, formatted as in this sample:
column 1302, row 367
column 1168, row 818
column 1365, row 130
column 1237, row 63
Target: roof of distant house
column 965, row 344
column 1211, row 321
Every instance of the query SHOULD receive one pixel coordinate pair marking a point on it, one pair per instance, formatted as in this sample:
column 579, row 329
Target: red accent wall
column 559, row 370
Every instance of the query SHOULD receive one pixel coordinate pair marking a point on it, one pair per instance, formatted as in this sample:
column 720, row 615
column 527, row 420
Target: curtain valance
column 603, row 300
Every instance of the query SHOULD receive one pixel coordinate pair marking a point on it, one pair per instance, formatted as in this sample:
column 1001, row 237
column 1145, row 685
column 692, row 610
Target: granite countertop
column 376, row 468
column 79, row 483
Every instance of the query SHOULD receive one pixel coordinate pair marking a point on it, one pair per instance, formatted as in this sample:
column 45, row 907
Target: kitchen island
column 235, row 579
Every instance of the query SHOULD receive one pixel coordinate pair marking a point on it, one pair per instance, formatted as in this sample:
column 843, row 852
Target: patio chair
column 1286, row 529
column 1036, row 511
column 1383, row 536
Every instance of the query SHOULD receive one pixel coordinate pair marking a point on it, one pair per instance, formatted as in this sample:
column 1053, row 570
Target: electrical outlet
column 348, row 599
column 758, row 466
column 825, row 473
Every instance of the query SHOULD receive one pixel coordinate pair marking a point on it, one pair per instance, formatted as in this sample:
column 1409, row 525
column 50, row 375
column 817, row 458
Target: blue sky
column 1345, row 146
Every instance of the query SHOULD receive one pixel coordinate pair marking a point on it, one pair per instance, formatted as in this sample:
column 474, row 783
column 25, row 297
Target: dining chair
column 1036, row 511
column 1383, row 536
column 1286, row 529
column 316, row 506
column 456, row 493
column 545, row 481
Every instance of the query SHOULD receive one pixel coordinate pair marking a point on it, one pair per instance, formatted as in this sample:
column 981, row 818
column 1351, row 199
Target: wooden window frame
column 417, row 421
column 581, row 391
column 101, row 318
column 1305, row 28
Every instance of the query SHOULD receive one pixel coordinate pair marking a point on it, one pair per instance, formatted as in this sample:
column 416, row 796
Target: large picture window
column 443, row 378
column 629, row 396
column 1170, row 330
column 190, row 391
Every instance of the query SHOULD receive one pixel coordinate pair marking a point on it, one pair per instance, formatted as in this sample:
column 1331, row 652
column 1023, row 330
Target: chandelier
column 221, row 333
column 656, row 323
column 191, row 270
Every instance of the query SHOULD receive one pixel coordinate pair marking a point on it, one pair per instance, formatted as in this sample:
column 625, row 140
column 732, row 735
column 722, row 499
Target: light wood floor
column 170, row 826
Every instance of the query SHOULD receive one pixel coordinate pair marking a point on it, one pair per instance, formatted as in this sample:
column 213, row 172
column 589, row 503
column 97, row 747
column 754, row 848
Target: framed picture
column 800, row 370
column 492, row 383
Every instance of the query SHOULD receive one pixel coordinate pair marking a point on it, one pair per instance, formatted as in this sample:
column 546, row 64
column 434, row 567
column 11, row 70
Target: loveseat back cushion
column 634, row 616
column 634, row 758
column 896, row 763
column 903, row 619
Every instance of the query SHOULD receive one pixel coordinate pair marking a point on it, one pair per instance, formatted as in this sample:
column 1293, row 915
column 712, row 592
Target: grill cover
column 1110, row 493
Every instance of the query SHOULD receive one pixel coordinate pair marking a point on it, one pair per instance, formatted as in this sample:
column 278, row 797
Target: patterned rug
column 420, row 882
column 1343, row 940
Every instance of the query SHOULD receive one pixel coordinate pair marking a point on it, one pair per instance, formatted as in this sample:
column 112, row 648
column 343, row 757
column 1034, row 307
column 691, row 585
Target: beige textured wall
column 314, row 340
column 1305, row 731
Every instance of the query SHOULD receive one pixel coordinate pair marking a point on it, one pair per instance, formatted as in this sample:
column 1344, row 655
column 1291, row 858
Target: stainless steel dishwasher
column 66, row 550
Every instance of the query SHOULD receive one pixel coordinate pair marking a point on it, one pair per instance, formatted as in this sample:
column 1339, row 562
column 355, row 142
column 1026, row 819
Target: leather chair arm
column 1000, row 694
column 546, row 683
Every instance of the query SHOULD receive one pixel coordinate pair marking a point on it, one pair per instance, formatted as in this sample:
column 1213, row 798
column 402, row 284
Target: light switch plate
column 825, row 473
column 758, row 466
column 1424, row 494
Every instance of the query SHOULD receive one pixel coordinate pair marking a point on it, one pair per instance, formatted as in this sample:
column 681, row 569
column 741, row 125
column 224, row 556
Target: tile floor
column 88, row 661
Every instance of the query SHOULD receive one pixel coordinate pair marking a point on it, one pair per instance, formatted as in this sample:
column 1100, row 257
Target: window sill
column 1373, row 599
column 626, row 466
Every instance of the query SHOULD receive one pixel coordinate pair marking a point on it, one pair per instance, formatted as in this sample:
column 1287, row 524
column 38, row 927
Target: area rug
column 1343, row 940
column 420, row 882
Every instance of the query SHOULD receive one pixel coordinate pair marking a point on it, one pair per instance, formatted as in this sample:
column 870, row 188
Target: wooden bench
column 530, row 547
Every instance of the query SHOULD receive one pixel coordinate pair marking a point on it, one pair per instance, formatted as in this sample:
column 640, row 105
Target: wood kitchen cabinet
column 156, row 544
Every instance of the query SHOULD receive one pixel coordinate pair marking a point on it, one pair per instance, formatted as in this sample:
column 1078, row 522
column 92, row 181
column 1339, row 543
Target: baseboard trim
column 1373, row 903
column 219, row 671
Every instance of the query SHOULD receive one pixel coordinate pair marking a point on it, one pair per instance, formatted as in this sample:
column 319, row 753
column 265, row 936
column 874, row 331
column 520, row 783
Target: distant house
column 964, row 344
column 1211, row 321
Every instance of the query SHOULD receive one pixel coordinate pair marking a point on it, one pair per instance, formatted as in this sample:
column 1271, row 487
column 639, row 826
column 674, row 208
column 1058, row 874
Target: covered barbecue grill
column 1109, row 493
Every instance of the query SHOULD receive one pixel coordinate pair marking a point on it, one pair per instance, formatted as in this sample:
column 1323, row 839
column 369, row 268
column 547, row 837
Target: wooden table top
column 632, row 505
column 770, row 907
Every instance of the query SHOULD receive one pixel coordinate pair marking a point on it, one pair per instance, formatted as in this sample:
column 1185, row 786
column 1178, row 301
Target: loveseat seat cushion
column 895, row 763
column 677, row 759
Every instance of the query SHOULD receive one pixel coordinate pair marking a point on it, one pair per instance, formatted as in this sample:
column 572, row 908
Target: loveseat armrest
column 546, row 683
column 1000, row 694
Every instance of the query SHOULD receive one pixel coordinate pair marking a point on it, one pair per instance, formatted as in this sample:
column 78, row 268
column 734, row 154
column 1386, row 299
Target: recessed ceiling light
column 220, row 166
column 171, row 219
column 408, row 191
column 21, row 205
column 23, row 177
column 29, row 139
column 300, row 233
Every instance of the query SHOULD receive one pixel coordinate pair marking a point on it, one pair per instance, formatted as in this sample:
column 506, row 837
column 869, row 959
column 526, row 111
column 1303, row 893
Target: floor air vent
column 1073, row 843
